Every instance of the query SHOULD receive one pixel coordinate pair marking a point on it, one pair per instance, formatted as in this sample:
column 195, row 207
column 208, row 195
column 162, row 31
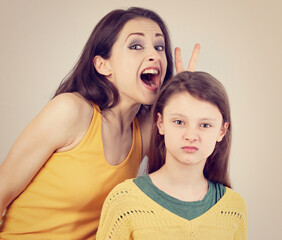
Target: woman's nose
column 153, row 55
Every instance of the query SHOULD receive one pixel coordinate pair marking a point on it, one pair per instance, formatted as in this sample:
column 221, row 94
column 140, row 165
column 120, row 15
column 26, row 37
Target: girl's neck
column 186, row 184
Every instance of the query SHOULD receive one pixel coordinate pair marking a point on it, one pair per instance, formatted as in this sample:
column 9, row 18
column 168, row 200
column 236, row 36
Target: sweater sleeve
column 241, row 233
column 114, row 224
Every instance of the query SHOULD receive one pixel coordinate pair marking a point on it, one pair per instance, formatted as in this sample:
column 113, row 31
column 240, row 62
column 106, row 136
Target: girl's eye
column 135, row 47
column 205, row 125
column 160, row 48
column 178, row 122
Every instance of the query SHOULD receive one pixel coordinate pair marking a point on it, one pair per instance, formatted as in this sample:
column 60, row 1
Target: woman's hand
column 193, row 60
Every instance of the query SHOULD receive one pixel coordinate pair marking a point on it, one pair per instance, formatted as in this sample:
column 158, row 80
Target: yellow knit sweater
column 128, row 213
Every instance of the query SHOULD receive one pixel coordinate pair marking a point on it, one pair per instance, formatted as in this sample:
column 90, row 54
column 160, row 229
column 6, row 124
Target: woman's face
column 138, row 61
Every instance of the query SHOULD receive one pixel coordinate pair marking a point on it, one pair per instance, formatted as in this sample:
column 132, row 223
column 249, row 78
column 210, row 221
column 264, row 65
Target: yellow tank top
column 65, row 198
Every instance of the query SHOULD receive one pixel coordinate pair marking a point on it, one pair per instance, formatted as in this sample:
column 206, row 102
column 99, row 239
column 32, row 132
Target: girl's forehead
column 186, row 104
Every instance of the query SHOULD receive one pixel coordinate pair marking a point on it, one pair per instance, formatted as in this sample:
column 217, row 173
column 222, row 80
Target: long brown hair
column 205, row 87
column 84, row 78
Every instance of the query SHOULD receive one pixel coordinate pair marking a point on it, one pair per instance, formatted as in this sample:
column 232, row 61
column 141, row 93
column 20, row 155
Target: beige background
column 241, row 46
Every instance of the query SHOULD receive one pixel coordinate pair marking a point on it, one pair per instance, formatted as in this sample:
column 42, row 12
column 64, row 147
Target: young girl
column 87, row 139
column 187, row 193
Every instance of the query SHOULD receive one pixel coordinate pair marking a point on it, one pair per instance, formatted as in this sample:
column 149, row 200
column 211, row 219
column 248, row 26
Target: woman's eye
column 178, row 122
column 205, row 125
column 136, row 47
column 159, row 48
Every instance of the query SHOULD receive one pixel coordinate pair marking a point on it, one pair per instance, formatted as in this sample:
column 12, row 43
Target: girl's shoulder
column 234, row 195
column 235, row 202
column 127, row 186
column 122, row 191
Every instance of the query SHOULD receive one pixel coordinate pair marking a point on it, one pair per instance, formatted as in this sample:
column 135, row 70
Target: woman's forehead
column 141, row 26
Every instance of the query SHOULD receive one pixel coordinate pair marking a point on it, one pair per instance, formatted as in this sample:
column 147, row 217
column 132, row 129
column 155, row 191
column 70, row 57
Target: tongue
column 149, row 83
column 148, row 80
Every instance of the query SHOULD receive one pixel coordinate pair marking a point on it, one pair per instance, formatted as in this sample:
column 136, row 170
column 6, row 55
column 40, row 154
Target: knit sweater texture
column 128, row 213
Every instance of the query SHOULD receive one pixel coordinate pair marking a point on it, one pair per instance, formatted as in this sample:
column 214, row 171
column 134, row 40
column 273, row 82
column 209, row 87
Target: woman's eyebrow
column 142, row 34
column 159, row 35
column 134, row 33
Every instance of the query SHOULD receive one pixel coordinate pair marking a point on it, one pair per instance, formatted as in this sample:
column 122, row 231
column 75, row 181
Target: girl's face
column 138, row 61
column 191, row 128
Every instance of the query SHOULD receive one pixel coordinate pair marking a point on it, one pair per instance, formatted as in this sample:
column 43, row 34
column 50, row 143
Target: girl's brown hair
column 84, row 78
column 205, row 87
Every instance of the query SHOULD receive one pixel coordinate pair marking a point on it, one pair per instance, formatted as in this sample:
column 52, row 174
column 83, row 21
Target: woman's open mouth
column 151, row 78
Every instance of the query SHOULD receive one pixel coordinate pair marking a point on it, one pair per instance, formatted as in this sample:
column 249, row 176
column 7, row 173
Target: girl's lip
column 190, row 149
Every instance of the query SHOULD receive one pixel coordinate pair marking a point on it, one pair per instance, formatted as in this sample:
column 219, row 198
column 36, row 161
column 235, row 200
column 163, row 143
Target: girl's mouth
column 151, row 78
column 190, row 149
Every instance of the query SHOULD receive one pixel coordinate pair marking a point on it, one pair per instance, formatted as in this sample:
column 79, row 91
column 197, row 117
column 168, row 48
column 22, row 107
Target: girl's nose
column 191, row 135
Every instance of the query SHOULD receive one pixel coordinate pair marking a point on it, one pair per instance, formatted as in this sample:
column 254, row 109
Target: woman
column 89, row 137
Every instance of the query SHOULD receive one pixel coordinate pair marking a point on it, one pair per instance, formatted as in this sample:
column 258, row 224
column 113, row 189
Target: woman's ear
column 160, row 124
column 102, row 66
column 222, row 132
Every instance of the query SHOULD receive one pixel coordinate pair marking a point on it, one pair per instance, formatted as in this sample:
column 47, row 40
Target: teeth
column 151, row 71
column 152, row 84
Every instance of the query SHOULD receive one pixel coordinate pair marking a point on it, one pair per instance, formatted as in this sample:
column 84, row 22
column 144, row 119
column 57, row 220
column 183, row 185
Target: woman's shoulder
column 72, row 114
column 71, row 103
column 71, row 106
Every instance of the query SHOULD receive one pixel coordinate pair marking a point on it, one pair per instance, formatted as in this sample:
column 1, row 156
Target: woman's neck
column 121, row 116
column 117, row 132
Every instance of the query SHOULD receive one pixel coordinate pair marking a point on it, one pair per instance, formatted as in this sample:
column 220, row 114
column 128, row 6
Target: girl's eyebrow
column 176, row 115
column 201, row 119
column 208, row 119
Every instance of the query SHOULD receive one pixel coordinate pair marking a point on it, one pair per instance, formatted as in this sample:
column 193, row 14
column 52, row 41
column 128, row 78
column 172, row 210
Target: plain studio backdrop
column 240, row 45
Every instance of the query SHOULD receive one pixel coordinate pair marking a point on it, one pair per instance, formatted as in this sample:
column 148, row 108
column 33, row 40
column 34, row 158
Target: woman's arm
column 58, row 127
